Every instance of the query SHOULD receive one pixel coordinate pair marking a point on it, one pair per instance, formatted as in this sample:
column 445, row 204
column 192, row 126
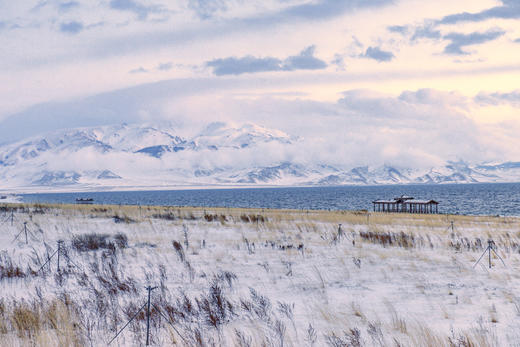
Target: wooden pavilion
column 406, row 204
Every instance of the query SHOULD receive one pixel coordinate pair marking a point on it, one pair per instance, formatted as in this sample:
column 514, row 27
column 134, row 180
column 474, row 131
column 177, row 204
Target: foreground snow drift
column 255, row 278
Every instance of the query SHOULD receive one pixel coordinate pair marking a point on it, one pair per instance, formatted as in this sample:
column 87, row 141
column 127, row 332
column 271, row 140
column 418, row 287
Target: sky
column 409, row 82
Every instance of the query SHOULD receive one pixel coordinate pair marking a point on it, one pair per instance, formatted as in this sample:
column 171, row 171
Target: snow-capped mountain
column 221, row 154
column 220, row 135
column 123, row 138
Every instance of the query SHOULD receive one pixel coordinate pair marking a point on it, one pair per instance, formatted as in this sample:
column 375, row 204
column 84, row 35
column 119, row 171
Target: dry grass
column 398, row 322
column 306, row 219
column 421, row 335
column 34, row 324
column 378, row 245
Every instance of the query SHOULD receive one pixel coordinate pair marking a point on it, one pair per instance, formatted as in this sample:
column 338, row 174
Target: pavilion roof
column 399, row 201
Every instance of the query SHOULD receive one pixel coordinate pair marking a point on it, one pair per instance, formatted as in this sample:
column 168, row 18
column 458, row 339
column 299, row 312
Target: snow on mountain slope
column 283, row 174
column 123, row 137
column 221, row 154
column 457, row 172
column 218, row 135
column 508, row 171
column 118, row 155
column 133, row 138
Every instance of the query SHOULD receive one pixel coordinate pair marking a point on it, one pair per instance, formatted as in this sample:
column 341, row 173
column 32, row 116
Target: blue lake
column 474, row 199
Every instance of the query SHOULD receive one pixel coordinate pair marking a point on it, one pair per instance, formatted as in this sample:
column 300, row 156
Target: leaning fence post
column 490, row 244
column 59, row 251
column 149, row 288
column 25, row 230
column 490, row 248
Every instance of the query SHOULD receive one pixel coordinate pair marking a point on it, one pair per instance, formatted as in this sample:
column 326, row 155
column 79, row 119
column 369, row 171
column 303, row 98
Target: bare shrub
column 187, row 307
column 210, row 217
column 242, row 340
column 38, row 209
column 189, row 216
column 94, row 242
column 215, row 218
column 375, row 332
column 260, row 305
column 166, row 216
column 286, row 309
column 123, row 219
column 215, row 307
column 464, row 243
column 226, row 276
column 389, row 238
column 191, row 271
column 91, row 242
column 335, row 341
column 311, row 337
column 279, row 329
column 250, row 246
column 180, row 251
column 198, row 338
column 111, row 281
column 257, row 218
column 357, row 262
column 351, row 338
column 121, row 240
column 9, row 270
column 288, row 266
column 460, row 341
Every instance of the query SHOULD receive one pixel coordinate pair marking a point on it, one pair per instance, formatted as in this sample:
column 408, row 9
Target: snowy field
column 236, row 277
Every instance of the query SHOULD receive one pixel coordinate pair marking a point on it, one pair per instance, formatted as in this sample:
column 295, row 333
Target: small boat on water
column 84, row 201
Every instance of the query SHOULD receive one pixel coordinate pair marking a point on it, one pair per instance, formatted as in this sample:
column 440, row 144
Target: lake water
column 475, row 199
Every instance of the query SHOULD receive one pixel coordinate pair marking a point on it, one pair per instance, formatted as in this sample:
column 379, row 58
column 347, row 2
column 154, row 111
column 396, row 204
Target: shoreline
column 478, row 199
column 202, row 210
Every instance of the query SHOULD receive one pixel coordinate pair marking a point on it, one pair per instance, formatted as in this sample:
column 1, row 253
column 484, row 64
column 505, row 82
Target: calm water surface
column 475, row 199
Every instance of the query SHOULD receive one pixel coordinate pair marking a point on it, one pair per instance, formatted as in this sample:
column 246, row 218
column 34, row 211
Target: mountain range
column 144, row 156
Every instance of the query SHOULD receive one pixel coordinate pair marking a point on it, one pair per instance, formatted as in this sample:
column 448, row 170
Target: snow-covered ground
column 9, row 198
column 235, row 277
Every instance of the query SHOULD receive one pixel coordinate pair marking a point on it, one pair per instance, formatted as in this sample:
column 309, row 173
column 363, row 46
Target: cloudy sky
column 400, row 81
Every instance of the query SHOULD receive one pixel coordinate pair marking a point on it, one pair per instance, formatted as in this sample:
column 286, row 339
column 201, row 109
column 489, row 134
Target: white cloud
column 497, row 98
column 421, row 129
column 82, row 78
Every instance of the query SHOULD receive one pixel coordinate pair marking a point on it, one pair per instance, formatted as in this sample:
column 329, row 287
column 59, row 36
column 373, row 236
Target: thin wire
column 21, row 233
column 66, row 255
column 131, row 319
column 481, row 257
column 48, row 260
column 499, row 257
column 9, row 217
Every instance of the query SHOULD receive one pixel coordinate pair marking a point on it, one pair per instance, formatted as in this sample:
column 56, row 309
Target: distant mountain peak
column 221, row 134
column 144, row 155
